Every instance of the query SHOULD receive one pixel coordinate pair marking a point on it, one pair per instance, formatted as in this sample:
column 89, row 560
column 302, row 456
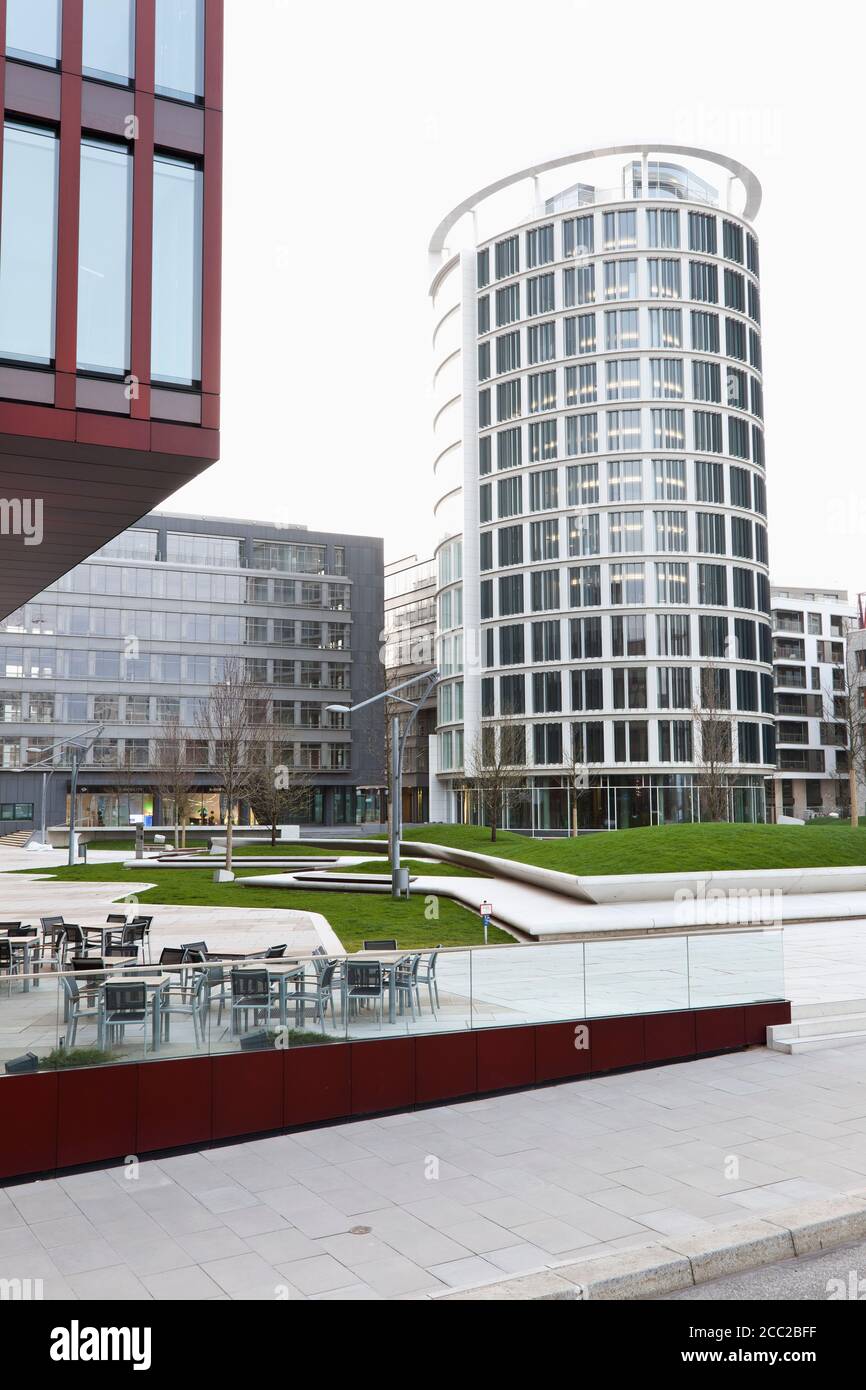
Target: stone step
column 828, row 1008
column 818, row 1027
column 816, row 1042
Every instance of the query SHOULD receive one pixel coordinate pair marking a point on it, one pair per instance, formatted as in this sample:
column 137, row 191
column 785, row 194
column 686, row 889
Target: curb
column 679, row 1262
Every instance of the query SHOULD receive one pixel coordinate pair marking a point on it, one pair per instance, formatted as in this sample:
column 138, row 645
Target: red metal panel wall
column 445, row 1067
column 97, row 1114
column 506, row 1058
column 247, row 1093
column 28, row 1129
column 187, row 1118
column 317, row 1084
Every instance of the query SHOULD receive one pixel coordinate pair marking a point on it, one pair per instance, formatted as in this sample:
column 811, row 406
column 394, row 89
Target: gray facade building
column 410, row 649
column 139, row 633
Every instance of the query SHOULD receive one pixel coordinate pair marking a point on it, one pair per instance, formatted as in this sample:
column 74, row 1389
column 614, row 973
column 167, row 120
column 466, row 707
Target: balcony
column 803, row 760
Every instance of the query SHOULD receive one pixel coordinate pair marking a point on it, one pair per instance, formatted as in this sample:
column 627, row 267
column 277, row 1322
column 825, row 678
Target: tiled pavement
column 409, row 1204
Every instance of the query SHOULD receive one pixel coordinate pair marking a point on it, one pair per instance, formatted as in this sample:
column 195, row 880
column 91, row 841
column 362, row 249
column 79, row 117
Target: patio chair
column 191, row 1003
column 74, row 941
column 272, row 953
column 92, row 970
column 406, row 982
column 9, row 926
column 320, row 994
column 132, row 937
column 172, row 955
column 251, row 990
column 214, row 975
column 8, row 963
column 73, row 1010
column 123, row 1006
column 426, row 975
column 365, row 984
column 14, row 929
column 145, row 922
column 50, row 953
column 389, row 944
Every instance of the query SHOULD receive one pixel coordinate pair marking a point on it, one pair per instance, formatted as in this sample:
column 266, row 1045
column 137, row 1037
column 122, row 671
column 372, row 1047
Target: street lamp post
column 398, row 745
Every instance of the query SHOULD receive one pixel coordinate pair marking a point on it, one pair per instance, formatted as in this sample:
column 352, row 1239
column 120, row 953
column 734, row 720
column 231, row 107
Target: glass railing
column 106, row 1012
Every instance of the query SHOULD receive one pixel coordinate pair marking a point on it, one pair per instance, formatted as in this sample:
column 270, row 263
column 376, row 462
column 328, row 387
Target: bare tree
column 230, row 718
column 495, row 768
column 578, row 777
column 714, row 754
column 174, row 774
column 279, row 790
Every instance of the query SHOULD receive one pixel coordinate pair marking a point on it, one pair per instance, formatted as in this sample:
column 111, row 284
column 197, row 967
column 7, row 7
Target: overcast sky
column 352, row 128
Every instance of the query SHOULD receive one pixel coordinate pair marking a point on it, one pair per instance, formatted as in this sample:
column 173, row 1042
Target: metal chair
column 406, row 982
column 426, row 975
column 8, row 963
column 320, row 995
column 145, row 922
column 251, row 990
column 193, row 1003
column 389, row 944
column 50, row 951
column 73, row 1012
column 364, row 984
column 123, row 1006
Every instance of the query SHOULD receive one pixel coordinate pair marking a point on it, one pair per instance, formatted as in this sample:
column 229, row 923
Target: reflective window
column 104, row 257
column 180, row 49
column 28, row 243
column 177, row 233
column 109, row 40
column 33, row 31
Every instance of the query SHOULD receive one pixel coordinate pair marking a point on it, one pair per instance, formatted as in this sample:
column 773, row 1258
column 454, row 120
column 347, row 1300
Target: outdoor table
column 155, row 984
column 282, row 971
column 25, row 945
column 388, row 960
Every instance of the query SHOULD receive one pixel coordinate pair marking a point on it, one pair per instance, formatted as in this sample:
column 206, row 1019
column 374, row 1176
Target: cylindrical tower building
column 603, row 590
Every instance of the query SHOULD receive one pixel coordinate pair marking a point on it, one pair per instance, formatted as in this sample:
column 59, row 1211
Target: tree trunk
column 273, row 832
column 852, row 793
column 229, row 829
column 176, row 835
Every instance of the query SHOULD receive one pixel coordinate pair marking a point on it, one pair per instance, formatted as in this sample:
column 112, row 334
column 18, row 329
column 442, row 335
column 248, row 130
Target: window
column 109, row 40
column 732, row 241
column 546, row 644
column 626, row 584
column 511, row 648
column 748, row 742
column 544, row 540
column 629, row 687
column 177, row 235
column 507, row 401
column 544, row 586
column 631, row 741
column 674, row 687
column 585, row 639
column 587, row 742
column 508, row 352
column 735, row 339
column 707, row 381
column 669, row 480
column 581, row 384
column 623, row 430
column 509, row 493
column 712, row 585
column 663, row 228
column 180, row 49
column 542, row 392
column 584, row 535
column 539, row 295
column 33, row 31
column 547, row 743
column 705, row 331
column 581, row 434
column 580, row 335
column 625, row 480
column 581, row 480
column 619, row 231
column 578, row 237
column 484, row 407
column 546, row 692
column 584, row 587
column 507, row 257
column 703, row 282
column 711, row 533
column 666, row 328
column 510, row 595
column 543, row 441
column 484, row 314
column 664, row 278
column 738, row 437
column 671, row 531
column 675, row 741
column 669, row 429
column 620, row 279
column 578, row 286
column 708, row 431
column 28, row 243
column 667, row 378
column 702, row 232
column 483, row 269
column 510, row 546
column 543, row 490
column 621, row 332
column 741, row 538
column 712, row 636
column 508, row 448
column 752, row 254
column 673, row 634
column 623, row 379
column 485, row 504
column 709, row 482
column 744, row 588
column 735, row 291
column 627, row 633
column 483, row 361
column 512, row 695
column 672, row 582
column 507, row 305
column 541, row 340
column 539, row 246
column 104, row 258
column 741, row 487
column 754, row 302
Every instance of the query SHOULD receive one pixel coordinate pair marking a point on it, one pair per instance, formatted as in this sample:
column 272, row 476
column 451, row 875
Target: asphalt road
column 810, row 1278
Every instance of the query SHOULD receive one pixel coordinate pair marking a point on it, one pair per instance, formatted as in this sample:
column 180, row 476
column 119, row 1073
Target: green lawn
column 353, row 916
column 668, row 848
column 288, row 848
column 429, row 867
